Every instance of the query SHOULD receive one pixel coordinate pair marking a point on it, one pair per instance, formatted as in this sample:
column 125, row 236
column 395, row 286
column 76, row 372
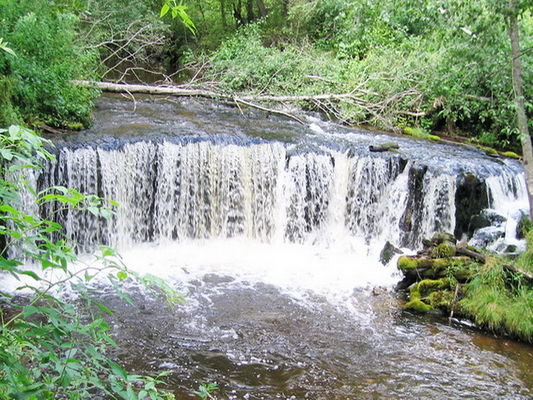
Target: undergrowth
column 501, row 300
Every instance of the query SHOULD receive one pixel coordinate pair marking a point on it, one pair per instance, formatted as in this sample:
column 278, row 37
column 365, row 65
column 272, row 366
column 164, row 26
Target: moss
column 511, row 154
column 463, row 275
column 419, row 133
column 417, row 305
column 524, row 226
column 441, row 299
column 490, row 151
column 414, row 132
column 74, row 126
column 443, row 237
column 428, row 286
column 444, row 250
column 406, row 263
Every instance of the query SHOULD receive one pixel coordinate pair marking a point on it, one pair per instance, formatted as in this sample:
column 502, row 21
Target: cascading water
column 272, row 233
column 200, row 190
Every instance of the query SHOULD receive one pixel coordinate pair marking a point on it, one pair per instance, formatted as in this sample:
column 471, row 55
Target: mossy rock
column 441, row 299
column 434, row 138
column 414, row 132
column 427, row 286
column 524, row 226
column 443, row 237
column 444, row 250
column 406, row 263
column 463, row 275
column 418, row 306
column 490, row 151
column 416, row 267
column 511, row 154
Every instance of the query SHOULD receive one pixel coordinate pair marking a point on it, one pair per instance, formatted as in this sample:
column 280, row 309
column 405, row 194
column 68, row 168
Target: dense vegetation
column 500, row 300
column 438, row 65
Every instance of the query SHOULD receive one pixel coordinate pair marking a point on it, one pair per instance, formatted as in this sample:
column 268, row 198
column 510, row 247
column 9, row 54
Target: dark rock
column 410, row 222
column 511, row 249
column 389, row 250
column 470, row 199
column 378, row 291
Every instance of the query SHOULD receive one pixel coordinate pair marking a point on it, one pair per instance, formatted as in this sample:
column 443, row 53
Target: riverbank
column 493, row 291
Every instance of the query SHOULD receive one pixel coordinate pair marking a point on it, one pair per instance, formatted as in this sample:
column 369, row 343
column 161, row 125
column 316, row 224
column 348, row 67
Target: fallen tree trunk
column 325, row 102
column 180, row 91
column 183, row 91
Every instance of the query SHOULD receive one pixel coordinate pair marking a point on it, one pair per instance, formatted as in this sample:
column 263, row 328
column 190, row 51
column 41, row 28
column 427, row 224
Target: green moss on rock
column 406, row 263
column 511, row 154
column 490, row 151
column 444, row 250
column 417, row 305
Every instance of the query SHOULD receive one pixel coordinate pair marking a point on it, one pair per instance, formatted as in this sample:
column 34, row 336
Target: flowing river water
column 272, row 232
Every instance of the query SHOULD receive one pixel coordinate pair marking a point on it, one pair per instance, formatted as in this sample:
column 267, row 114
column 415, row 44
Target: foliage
column 178, row 11
column 500, row 300
column 440, row 66
column 51, row 348
column 47, row 59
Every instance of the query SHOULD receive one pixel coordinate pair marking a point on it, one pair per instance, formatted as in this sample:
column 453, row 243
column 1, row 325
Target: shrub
column 47, row 59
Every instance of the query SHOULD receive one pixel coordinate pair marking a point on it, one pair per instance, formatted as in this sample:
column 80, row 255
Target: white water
column 507, row 198
column 260, row 192
column 310, row 223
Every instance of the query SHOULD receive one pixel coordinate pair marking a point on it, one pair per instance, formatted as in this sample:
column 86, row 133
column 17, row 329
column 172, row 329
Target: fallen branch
column 463, row 250
column 382, row 111
column 270, row 110
column 526, row 275
column 178, row 91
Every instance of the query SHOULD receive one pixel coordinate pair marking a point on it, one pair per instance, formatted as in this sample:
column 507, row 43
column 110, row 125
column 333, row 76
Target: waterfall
column 508, row 203
column 269, row 192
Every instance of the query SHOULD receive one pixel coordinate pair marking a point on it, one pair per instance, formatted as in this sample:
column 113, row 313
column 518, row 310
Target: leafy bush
column 47, row 57
column 50, row 348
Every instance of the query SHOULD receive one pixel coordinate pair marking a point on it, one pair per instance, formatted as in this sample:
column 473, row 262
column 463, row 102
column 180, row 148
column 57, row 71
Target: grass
column 502, row 301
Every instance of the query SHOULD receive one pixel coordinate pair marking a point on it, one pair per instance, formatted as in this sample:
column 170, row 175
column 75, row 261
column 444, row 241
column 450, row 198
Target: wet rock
column 377, row 291
column 511, row 248
column 470, row 199
column 388, row 251
column 443, row 237
column 389, row 146
column 486, row 236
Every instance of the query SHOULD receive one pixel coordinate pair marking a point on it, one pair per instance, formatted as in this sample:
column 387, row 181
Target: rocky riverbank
column 452, row 278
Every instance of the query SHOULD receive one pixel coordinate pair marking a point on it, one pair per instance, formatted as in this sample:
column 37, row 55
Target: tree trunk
column 250, row 10
column 223, row 13
column 527, row 149
column 237, row 14
column 262, row 9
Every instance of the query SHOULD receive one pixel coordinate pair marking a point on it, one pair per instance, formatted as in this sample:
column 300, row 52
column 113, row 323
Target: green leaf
column 122, row 275
column 6, row 154
column 164, row 10
column 104, row 308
